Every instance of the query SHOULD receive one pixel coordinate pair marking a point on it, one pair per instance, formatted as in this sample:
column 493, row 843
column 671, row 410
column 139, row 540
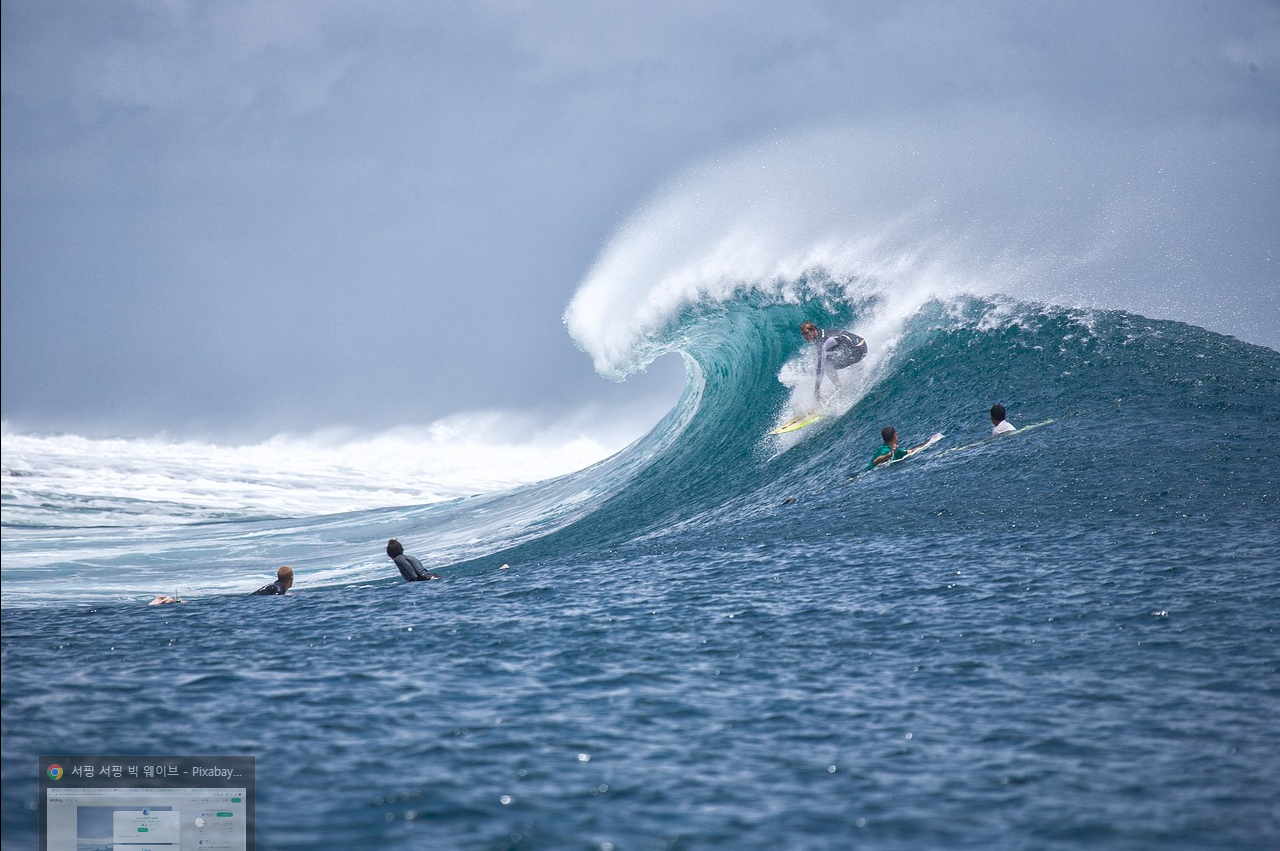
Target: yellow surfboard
column 796, row 423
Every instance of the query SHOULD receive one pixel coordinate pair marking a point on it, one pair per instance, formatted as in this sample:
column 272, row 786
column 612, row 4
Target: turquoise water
column 1061, row 638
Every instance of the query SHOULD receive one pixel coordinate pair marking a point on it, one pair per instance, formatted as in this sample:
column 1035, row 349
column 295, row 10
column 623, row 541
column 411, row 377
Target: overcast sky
column 230, row 218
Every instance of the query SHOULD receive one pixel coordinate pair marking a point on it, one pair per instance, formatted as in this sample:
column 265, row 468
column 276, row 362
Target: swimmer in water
column 890, row 451
column 410, row 568
column 999, row 425
column 284, row 581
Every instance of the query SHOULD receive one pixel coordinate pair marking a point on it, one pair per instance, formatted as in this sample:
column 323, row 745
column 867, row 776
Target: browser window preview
column 147, row 803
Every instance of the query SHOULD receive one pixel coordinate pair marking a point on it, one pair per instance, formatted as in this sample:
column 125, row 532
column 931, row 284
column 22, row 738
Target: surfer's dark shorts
column 850, row 350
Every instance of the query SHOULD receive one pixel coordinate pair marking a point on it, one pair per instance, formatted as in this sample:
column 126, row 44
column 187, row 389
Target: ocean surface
column 1065, row 637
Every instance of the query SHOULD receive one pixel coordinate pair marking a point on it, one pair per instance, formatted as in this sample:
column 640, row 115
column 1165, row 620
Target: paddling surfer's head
column 394, row 548
column 888, row 435
column 809, row 331
column 997, row 413
column 285, row 574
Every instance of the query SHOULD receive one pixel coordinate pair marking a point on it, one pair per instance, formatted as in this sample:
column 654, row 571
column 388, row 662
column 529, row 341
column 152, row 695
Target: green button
column 225, row 815
column 235, row 800
column 142, row 830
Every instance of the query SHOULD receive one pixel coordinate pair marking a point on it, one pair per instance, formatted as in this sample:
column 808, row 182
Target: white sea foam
column 71, row 480
column 759, row 220
column 903, row 212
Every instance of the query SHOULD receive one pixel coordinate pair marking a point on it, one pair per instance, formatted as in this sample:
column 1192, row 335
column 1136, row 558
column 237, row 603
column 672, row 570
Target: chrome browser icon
column 55, row 772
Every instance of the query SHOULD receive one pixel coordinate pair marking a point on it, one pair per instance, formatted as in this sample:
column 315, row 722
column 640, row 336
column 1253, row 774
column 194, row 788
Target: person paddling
column 999, row 425
column 890, row 451
column 410, row 568
column 284, row 581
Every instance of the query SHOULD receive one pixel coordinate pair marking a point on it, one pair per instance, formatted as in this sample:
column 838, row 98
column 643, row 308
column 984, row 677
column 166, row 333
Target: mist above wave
column 901, row 212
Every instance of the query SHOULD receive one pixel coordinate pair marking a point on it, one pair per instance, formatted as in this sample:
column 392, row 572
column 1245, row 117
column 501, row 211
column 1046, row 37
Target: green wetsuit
column 885, row 449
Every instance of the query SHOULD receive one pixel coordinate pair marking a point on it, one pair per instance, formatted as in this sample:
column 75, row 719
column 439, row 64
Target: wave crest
column 900, row 213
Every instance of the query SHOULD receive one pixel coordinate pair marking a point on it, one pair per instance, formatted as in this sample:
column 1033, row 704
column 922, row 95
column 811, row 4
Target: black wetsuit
column 277, row 587
column 411, row 569
column 836, row 350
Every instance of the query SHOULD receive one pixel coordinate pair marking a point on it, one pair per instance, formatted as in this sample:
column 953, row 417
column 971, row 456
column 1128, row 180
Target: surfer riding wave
column 836, row 350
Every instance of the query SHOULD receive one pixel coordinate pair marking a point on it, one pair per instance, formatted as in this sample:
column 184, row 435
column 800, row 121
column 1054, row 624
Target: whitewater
column 697, row 635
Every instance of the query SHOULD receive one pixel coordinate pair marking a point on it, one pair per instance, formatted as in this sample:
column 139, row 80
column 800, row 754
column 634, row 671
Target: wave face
column 1162, row 401
column 1178, row 402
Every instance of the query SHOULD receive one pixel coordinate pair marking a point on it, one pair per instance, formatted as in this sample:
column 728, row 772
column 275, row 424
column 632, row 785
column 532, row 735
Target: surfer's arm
column 824, row 347
column 932, row 439
column 822, row 365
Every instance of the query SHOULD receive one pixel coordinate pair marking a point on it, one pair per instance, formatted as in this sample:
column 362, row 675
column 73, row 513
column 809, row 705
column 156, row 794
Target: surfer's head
column 809, row 331
column 285, row 574
column 997, row 414
column 394, row 549
column 888, row 435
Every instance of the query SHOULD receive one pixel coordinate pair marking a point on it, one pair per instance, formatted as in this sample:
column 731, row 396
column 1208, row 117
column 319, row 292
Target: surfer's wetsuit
column 277, row 587
column 885, row 449
column 411, row 569
column 836, row 350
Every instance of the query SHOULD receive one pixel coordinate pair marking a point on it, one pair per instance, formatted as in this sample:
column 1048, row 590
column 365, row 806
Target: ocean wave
column 890, row 216
column 710, row 463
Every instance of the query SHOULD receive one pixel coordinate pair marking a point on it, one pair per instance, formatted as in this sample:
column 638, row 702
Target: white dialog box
column 146, row 826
